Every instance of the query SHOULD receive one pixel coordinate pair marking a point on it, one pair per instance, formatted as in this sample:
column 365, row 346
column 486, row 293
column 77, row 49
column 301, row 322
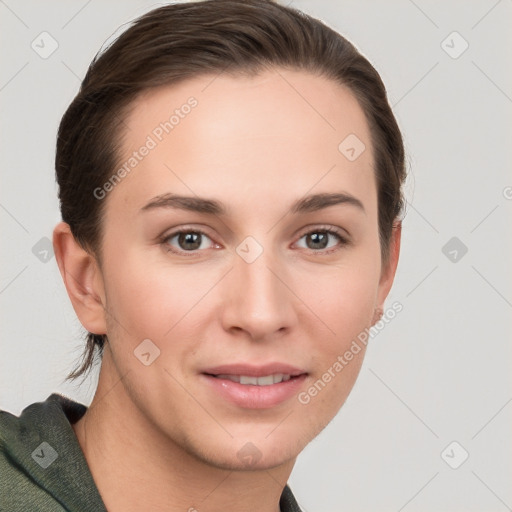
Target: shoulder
column 20, row 438
column 37, row 421
column 41, row 463
column 288, row 503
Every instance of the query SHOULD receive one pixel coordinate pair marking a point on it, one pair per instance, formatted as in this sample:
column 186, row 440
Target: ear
column 388, row 271
column 82, row 278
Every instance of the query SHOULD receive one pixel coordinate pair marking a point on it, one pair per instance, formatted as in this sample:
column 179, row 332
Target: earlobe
column 82, row 279
column 377, row 315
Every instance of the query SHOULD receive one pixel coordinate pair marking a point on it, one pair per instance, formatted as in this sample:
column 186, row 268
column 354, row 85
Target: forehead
column 279, row 131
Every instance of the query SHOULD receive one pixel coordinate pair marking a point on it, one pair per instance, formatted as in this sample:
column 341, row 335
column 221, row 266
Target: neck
column 137, row 467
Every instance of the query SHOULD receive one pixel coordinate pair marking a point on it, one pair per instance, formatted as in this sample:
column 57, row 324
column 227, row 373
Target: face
column 227, row 310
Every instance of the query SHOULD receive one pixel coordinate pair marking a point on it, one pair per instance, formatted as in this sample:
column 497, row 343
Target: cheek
column 347, row 312
column 344, row 300
column 149, row 297
column 344, row 297
column 151, row 302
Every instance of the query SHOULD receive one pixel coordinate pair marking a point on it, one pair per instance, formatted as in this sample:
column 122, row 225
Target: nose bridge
column 260, row 302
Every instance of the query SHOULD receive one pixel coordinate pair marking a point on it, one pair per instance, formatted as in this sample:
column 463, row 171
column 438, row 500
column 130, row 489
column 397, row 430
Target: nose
column 259, row 300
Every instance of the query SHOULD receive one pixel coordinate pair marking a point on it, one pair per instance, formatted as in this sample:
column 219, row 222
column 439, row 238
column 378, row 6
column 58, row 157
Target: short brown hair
column 181, row 41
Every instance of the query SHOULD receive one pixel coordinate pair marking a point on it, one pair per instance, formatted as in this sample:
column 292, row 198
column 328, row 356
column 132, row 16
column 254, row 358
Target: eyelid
column 342, row 233
column 168, row 233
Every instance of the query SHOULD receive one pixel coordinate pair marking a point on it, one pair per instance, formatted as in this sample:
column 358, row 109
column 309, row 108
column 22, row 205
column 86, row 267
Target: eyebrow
column 310, row 203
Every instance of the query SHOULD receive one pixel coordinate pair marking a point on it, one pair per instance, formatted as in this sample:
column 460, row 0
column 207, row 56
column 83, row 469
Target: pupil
column 189, row 238
column 320, row 239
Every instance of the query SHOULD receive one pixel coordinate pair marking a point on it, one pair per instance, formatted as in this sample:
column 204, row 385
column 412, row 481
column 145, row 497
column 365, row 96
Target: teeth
column 266, row 380
column 249, row 380
column 234, row 378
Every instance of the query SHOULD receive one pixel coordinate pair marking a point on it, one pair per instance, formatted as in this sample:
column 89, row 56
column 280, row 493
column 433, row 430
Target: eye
column 320, row 239
column 187, row 240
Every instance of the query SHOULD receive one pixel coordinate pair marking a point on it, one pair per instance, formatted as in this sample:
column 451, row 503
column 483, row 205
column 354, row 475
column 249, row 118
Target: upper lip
column 253, row 370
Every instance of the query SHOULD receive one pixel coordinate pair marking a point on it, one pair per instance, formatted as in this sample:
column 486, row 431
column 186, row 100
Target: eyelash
column 331, row 230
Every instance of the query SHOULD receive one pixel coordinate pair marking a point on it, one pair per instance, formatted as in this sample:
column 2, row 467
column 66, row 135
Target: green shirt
column 42, row 467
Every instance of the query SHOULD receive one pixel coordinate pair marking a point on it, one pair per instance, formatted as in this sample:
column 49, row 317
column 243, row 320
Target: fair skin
column 161, row 437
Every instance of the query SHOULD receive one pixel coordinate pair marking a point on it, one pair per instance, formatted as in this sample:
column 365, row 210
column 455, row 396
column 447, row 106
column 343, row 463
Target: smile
column 266, row 380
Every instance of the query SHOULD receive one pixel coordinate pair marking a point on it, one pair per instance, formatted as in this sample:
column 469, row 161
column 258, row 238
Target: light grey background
column 440, row 371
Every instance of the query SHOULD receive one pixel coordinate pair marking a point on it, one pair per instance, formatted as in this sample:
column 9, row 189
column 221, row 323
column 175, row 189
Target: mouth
column 254, row 387
column 248, row 380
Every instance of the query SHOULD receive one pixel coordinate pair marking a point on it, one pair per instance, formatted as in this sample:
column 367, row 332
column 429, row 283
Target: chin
column 252, row 461
column 244, row 454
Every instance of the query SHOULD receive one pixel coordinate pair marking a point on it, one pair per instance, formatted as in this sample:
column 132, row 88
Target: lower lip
column 255, row 397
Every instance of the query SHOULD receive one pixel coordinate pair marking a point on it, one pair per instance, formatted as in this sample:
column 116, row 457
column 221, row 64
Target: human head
column 178, row 42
